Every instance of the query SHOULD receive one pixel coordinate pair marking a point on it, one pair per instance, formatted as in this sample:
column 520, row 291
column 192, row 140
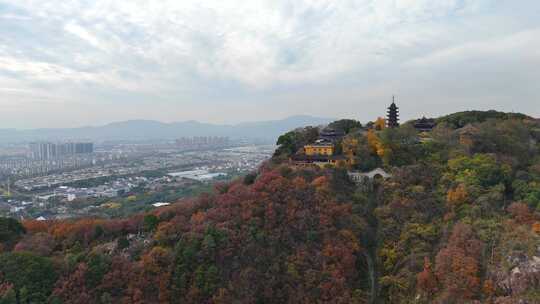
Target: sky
column 90, row 62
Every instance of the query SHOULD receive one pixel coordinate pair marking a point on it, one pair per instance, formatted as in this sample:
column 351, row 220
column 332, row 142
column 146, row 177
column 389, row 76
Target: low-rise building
column 320, row 147
column 318, row 160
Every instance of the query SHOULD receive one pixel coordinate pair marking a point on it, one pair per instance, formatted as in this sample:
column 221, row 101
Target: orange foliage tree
column 457, row 265
column 456, row 197
column 380, row 123
column 375, row 143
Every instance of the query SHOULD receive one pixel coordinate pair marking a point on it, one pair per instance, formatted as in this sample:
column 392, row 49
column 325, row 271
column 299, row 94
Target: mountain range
column 155, row 130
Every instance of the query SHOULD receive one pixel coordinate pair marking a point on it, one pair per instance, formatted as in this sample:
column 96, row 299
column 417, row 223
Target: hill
column 152, row 130
column 458, row 221
column 461, row 119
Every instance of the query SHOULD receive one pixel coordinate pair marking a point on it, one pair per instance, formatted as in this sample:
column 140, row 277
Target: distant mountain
column 153, row 130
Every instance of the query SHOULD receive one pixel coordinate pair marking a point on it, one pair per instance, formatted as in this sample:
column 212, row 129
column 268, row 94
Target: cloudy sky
column 89, row 62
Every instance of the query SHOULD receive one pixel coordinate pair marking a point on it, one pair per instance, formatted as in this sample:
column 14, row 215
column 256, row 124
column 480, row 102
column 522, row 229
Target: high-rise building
column 84, row 148
column 47, row 150
column 43, row 151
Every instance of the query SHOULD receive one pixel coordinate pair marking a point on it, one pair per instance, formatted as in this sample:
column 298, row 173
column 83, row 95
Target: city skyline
column 82, row 63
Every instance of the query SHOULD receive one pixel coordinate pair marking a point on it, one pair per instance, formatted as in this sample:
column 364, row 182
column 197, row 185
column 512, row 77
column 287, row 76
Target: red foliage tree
column 72, row 288
column 521, row 213
column 39, row 243
column 457, row 264
column 426, row 282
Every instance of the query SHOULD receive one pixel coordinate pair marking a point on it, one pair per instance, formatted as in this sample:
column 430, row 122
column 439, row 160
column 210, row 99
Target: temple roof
column 332, row 132
column 393, row 106
column 425, row 124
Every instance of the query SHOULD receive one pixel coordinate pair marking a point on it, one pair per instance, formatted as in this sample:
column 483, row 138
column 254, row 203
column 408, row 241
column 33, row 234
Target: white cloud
column 187, row 50
column 258, row 43
column 516, row 45
column 84, row 35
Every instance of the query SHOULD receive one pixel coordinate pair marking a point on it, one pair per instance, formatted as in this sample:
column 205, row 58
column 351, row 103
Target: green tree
column 250, row 178
column 10, row 231
column 480, row 170
column 400, row 145
column 106, row 298
column 150, row 222
column 207, row 279
column 32, row 276
column 365, row 158
column 287, row 144
column 98, row 266
column 290, row 142
column 9, row 297
column 461, row 119
column 346, row 125
column 122, row 242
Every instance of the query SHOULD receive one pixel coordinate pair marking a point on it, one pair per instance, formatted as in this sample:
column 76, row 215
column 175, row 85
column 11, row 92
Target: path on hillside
column 370, row 244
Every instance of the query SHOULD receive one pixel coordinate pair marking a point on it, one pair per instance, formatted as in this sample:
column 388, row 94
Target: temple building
column 424, row 124
column 320, row 147
column 332, row 135
column 392, row 120
column 318, row 160
column 321, row 153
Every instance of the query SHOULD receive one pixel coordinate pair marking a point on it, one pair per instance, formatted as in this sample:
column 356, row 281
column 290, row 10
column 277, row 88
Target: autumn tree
column 379, row 124
column 40, row 243
column 521, row 213
column 457, row 265
column 456, row 197
column 375, row 143
column 72, row 289
column 426, row 281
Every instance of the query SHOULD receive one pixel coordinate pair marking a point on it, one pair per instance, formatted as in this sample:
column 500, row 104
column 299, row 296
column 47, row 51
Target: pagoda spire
column 392, row 118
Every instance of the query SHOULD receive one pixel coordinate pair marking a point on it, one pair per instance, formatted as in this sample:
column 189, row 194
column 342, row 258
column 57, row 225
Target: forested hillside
column 458, row 222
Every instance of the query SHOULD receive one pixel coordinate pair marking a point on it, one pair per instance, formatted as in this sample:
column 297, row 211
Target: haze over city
column 77, row 63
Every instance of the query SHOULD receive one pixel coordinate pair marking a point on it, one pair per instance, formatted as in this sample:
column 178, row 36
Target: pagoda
column 392, row 120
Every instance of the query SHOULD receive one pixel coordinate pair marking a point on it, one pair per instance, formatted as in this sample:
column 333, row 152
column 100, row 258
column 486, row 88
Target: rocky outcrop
column 521, row 277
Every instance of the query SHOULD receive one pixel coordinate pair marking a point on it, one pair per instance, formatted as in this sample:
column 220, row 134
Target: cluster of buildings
column 59, row 203
column 22, row 167
column 202, row 142
column 109, row 190
column 45, row 181
column 198, row 175
column 48, row 150
column 56, row 180
column 238, row 159
column 323, row 151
